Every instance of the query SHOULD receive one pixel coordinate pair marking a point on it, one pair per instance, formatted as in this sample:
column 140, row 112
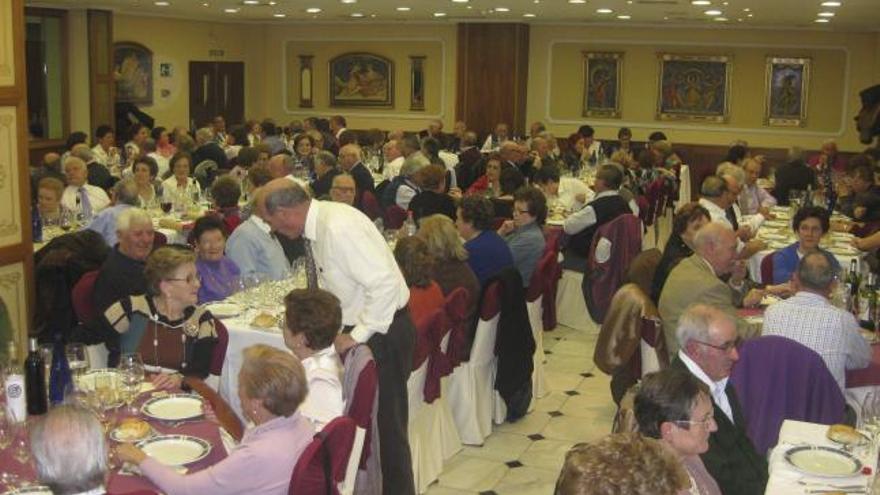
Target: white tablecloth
column 784, row 477
column 241, row 336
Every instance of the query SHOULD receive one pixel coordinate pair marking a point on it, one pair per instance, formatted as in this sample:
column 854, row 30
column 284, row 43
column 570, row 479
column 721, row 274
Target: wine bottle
column 865, row 307
column 36, row 224
column 852, row 284
column 16, row 405
column 35, row 380
column 59, row 376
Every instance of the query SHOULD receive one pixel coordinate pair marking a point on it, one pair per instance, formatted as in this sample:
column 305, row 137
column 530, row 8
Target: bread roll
column 844, row 434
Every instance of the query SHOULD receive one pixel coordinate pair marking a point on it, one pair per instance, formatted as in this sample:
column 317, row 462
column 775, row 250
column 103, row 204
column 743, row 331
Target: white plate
column 175, row 407
column 823, row 461
column 224, row 310
column 175, row 450
column 30, row 490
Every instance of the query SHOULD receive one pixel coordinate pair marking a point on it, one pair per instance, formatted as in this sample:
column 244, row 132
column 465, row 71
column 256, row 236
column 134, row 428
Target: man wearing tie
column 347, row 255
column 78, row 196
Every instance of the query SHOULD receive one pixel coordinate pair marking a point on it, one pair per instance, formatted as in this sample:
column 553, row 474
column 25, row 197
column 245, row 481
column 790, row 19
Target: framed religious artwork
column 787, row 91
column 133, row 72
column 305, row 81
column 602, row 77
column 417, row 83
column 694, row 87
column 361, row 80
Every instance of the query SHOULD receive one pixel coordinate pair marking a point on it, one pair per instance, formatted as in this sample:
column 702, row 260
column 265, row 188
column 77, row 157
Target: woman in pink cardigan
column 271, row 385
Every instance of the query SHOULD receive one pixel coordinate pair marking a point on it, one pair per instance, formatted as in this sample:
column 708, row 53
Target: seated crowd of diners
column 313, row 193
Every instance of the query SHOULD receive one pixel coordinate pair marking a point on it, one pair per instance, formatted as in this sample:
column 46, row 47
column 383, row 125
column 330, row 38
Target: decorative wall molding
column 13, row 291
column 598, row 43
column 10, row 213
column 402, row 116
column 7, row 50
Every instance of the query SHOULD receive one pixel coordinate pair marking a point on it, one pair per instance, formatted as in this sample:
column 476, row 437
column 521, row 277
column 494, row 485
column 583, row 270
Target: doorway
column 216, row 88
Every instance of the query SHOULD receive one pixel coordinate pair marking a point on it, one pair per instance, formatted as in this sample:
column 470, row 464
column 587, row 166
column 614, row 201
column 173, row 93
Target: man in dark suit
column 707, row 338
column 470, row 161
column 794, row 175
column 325, row 171
column 435, row 130
column 350, row 157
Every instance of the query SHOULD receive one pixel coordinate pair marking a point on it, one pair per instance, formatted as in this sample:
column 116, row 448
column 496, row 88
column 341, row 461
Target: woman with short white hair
column 64, row 430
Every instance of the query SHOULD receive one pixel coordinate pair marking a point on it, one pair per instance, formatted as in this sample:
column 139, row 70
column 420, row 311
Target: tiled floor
column 524, row 458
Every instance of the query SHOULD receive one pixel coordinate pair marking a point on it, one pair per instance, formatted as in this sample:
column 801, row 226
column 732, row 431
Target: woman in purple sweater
column 272, row 385
column 218, row 273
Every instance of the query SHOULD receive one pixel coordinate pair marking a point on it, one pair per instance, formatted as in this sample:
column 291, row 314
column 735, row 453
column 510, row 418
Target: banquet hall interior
column 616, row 184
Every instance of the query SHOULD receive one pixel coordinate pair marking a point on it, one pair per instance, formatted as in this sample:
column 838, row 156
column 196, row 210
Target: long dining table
column 121, row 481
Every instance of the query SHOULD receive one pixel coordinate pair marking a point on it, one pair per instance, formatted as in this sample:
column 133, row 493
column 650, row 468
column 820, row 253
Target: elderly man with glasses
column 708, row 350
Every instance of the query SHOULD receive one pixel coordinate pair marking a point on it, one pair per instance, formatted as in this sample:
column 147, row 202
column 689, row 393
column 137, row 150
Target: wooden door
column 216, row 88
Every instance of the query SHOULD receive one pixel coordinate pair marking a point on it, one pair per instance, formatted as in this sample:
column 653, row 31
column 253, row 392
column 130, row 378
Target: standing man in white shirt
column 350, row 258
column 718, row 199
column 79, row 196
column 809, row 318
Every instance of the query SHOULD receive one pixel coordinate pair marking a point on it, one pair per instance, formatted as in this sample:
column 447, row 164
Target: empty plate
column 30, row 490
column 175, row 450
column 175, row 407
column 823, row 461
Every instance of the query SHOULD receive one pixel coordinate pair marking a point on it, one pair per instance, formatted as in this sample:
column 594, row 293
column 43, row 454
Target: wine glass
column 131, row 365
column 78, row 361
column 66, row 221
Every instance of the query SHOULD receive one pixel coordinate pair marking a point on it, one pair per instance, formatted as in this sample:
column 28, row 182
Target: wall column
column 16, row 247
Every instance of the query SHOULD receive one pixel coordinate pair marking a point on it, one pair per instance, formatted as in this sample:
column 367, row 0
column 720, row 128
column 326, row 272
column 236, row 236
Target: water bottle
column 16, row 402
column 34, row 379
column 409, row 226
column 36, row 224
column 59, row 375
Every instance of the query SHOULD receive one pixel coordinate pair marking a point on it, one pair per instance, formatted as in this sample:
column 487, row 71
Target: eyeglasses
column 190, row 279
column 705, row 423
column 726, row 347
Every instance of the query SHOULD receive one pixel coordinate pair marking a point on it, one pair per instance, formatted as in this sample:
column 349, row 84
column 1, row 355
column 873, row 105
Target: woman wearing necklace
column 179, row 336
column 217, row 272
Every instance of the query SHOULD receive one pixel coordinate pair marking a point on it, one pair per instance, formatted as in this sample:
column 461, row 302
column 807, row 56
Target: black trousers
column 393, row 354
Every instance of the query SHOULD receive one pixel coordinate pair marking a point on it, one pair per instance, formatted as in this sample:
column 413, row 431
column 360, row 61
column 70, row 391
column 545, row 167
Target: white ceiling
column 858, row 15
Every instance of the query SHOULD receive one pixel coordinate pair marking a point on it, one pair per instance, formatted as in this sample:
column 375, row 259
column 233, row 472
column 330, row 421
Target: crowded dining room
column 442, row 247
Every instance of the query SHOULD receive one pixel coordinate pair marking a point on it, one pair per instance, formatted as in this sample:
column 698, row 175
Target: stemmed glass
column 131, row 367
column 78, row 361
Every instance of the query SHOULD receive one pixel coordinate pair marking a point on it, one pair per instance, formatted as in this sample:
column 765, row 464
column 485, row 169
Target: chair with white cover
column 535, row 306
column 360, row 391
column 472, row 394
column 433, row 436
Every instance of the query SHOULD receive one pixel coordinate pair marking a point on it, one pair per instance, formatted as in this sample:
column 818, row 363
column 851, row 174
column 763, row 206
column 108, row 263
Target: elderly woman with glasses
column 217, row 272
column 674, row 407
column 271, row 386
column 523, row 234
column 179, row 336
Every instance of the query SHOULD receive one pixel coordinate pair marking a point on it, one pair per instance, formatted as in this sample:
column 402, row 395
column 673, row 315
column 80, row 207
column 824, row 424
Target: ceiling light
column 751, row 15
column 826, row 14
column 747, row 9
column 725, row 3
column 822, row 20
column 830, row 4
column 439, row 14
column 720, row 19
column 629, row 2
column 251, row 2
column 161, row 4
column 624, row 17
column 357, row 14
column 502, row 9
column 403, row 9
column 279, row 15
column 349, row 1
column 577, row 1
column 230, row 11
column 701, row 2
column 313, row 10
column 712, row 12
column 206, row 4
column 604, row 11
column 529, row 15
column 461, row 1
column 273, row 3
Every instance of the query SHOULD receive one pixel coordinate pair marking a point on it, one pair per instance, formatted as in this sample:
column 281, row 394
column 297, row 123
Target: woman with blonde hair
column 271, row 386
column 449, row 269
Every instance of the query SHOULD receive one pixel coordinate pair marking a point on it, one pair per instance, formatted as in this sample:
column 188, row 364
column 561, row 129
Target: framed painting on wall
column 694, row 87
column 602, row 76
column 787, row 91
column 133, row 72
column 361, row 80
